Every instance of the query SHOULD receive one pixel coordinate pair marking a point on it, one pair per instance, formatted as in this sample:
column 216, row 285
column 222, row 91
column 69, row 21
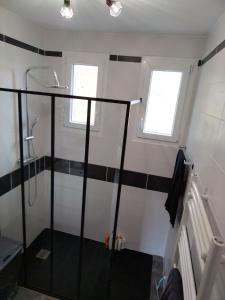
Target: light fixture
column 115, row 7
column 66, row 10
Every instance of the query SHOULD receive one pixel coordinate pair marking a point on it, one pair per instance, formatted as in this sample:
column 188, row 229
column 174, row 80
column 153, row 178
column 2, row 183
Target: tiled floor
column 131, row 270
column 25, row 294
column 157, row 272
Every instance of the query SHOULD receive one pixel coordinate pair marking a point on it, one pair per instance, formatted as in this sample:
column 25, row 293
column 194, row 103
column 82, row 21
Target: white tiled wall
column 206, row 142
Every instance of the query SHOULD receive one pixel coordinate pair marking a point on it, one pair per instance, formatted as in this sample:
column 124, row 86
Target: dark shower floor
column 131, row 275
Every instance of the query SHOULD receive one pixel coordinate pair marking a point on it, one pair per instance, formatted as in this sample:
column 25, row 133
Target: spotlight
column 115, row 7
column 66, row 10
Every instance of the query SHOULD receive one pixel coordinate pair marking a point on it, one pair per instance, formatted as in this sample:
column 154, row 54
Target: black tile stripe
column 20, row 44
column 5, row 184
column 124, row 58
column 130, row 178
column 158, row 183
column 103, row 173
column 41, row 52
column 113, row 57
column 9, row 40
column 220, row 47
column 53, row 53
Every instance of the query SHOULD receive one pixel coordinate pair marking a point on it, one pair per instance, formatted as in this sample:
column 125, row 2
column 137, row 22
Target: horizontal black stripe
column 53, row 53
column 20, row 44
column 28, row 47
column 103, row 173
column 216, row 50
column 124, row 58
column 5, row 184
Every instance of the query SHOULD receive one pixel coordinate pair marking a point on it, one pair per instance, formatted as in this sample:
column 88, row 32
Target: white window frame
column 88, row 59
column 150, row 64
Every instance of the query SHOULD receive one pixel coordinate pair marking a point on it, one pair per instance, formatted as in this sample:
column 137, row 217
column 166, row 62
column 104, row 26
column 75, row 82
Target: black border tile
column 25, row 46
column 103, row 173
column 16, row 178
column 134, row 59
column 62, row 165
column 41, row 164
column 113, row 57
column 125, row 58
column 47, row 162
column 112, row 175
column 97, row 172
column 76, row 168
column 159, row 184
column 20, row 44
column 53, row 53
column 41, row 51
column 134, row 179
column 5, row 184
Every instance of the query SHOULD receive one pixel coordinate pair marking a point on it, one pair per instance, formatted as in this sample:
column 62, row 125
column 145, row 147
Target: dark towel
column 177, row 187
column 174, row 287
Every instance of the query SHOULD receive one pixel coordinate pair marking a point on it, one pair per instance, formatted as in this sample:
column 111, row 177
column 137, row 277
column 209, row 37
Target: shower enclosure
column 59, row 260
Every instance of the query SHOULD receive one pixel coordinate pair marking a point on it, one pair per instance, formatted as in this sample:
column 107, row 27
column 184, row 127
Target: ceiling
column 164, row 16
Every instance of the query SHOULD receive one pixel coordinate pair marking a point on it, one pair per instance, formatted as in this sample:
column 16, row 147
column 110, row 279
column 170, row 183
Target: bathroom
column 97, row 100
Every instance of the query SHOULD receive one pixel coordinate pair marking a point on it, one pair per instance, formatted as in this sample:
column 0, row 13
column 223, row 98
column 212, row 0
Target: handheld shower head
column 34, row 123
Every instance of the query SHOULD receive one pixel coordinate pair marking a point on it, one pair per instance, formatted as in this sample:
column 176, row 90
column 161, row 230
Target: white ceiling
column 166, row 16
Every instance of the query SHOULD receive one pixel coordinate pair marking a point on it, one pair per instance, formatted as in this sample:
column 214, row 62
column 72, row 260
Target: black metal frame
column 53, row 98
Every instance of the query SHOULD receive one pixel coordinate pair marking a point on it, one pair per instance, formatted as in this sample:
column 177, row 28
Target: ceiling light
column 66, row 10
column 115, row 7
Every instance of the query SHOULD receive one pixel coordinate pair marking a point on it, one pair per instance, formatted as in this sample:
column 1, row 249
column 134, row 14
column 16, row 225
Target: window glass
column 162, row 102
column 84, row 83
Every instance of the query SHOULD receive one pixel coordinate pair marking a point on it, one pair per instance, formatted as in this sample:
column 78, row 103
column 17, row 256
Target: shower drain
column 43, row 254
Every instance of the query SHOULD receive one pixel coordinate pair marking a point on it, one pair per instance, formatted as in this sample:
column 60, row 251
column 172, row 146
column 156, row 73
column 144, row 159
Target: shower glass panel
column 69, row 184
column 11, row 233
column 69, row 158
column 36, row 132
column 10, row 198
column 101, row 196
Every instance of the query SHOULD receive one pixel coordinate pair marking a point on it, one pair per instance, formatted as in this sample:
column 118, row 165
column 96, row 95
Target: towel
column 174, row 287
column 177, row 187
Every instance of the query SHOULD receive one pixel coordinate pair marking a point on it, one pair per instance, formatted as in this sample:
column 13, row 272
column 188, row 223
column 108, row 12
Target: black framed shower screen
column 53, row 97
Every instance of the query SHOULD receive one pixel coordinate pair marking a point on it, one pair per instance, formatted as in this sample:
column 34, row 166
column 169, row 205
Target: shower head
column 55, row 85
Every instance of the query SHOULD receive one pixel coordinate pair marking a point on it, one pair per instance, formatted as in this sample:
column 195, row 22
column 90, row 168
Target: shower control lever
column 29, row 138
column 29, row 160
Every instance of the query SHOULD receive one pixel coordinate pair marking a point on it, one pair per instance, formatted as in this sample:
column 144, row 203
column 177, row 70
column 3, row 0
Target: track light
column 115, row 7
column 66, row 10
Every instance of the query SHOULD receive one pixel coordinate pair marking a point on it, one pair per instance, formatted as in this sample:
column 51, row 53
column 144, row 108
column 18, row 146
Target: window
column 162, row 102
column 163, row 88
column 85, row 75
column 84, row 83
